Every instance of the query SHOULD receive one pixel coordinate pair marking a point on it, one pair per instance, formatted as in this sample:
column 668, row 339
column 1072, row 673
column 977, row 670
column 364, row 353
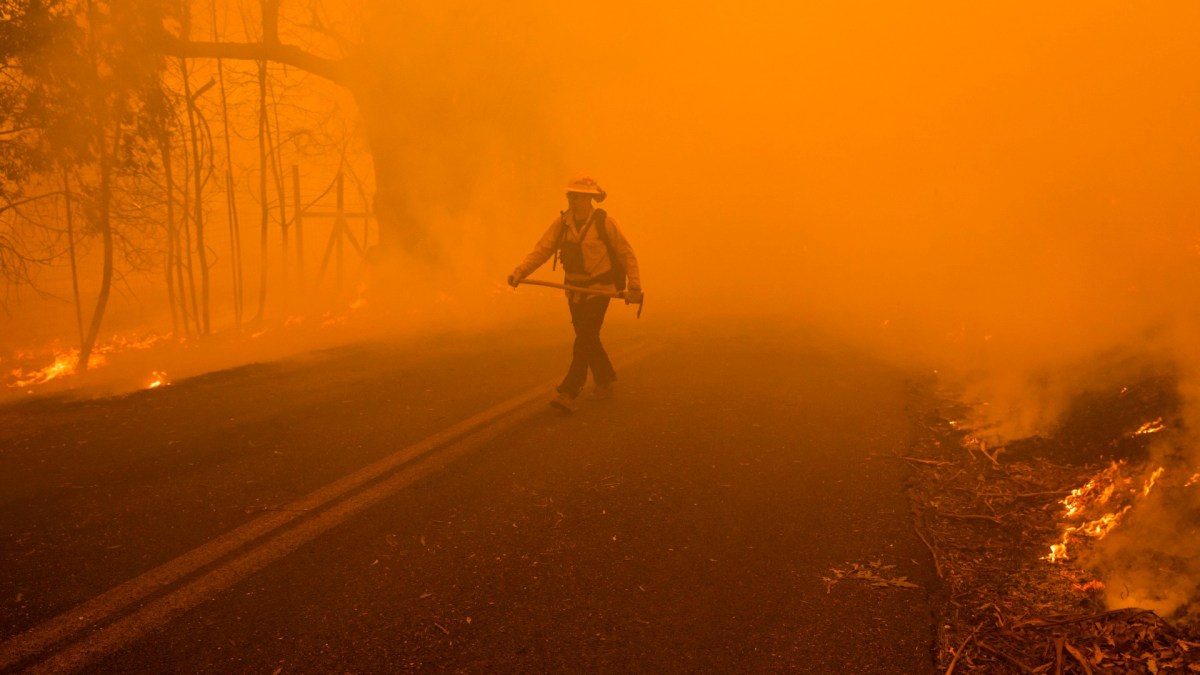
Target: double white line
column 239, row 553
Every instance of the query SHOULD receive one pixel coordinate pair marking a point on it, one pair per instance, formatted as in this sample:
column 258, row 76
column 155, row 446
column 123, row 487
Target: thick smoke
column 1003, row 193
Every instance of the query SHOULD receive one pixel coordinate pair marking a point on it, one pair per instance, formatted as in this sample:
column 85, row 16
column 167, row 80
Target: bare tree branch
column 333, row 70
column 16, row 204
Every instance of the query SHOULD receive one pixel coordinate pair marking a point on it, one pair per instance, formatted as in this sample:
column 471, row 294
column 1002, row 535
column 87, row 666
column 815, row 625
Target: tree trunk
column 186, row 243
column 235, row 234
column 235, row 249
column 274, row 143
column 71, row 245
column 198, row 182
column 104, row 224
column 164, row 145
column 400, row 236
column 262, row 185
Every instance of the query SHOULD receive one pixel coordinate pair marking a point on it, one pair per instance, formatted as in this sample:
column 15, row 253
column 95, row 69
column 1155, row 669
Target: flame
column 1092, row 585
column 1193, row 480
column 1098, row 528
column 1152, row 427
column 1057, row 552
column 159, row 379
column 1097, row 493
column 1149, row 485
column 1080, row 497
column 64, row 364
column 66, row 361
column 329, row 319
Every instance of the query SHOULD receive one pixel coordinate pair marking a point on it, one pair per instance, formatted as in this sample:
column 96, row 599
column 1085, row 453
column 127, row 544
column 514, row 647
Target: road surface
column 416, row 507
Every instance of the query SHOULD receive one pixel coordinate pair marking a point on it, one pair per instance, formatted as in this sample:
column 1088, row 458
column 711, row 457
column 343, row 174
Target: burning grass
column 133, row 361
column 1013, row 532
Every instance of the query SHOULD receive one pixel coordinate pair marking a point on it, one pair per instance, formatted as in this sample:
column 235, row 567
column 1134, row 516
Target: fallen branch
column 1128, row 614
column 1024, row 495
column 937, row 566
column 970, row 516
column 918, row 460
column 958, row 652
column 1087, row 668
column 1012, row 660
column 992, row 456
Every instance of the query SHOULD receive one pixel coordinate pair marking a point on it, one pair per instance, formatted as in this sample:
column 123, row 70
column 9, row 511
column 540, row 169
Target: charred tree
column 276, row 144
column 198, row 194
column 235, row 235
column 185, row 243
column 70, row 217
column 102, row 221
column 79, row 98
column 170, row 260
column 399, row 233
column 262, row 188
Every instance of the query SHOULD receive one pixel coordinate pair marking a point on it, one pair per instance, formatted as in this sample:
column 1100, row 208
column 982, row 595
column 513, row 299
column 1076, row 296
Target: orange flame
column 1149, row 485
column 1092, row 496
column 1152, row 427
column 66, row 362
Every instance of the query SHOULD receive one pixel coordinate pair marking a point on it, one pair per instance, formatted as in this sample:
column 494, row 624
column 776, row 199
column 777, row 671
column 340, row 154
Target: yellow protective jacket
column 595, row 253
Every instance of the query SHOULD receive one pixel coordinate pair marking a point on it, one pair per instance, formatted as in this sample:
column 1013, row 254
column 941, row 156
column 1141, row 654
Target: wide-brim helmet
column 586, row 185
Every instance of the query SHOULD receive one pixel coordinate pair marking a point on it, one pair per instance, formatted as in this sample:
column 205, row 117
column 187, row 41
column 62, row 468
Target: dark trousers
column 588, row 316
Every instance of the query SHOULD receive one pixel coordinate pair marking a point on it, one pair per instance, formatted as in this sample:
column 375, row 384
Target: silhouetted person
column 595, row 254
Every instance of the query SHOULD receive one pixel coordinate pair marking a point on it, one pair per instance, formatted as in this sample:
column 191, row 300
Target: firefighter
column 594, row 254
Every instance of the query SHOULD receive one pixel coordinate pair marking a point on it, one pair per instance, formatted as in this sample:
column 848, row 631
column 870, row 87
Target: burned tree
column 83, row 110
column 369, row 78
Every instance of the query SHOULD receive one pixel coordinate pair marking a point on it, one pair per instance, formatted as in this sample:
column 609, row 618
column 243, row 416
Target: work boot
column 564, row 402
column 601, row 392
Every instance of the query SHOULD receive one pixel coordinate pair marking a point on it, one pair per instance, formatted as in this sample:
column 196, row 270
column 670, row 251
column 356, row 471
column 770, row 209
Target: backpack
column 617, row 275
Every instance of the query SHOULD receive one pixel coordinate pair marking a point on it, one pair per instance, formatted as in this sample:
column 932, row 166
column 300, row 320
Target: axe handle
column 577, row 289
column 581, row 289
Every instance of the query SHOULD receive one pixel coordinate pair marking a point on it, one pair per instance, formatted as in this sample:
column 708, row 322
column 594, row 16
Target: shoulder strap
column 562, row 234
column 616, row 273
column 601, row 230
column 562, row 231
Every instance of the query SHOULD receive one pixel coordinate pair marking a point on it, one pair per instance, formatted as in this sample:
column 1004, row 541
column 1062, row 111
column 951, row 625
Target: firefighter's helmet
column 584, row 184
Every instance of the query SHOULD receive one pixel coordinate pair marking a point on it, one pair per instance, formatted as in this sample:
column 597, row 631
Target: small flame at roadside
column 65, row 364
column 66, row 361
column 1152, row 427
column 1092, row 497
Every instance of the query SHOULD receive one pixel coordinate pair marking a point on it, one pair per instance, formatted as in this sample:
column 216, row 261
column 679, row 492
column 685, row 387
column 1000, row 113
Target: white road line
column 460, row 439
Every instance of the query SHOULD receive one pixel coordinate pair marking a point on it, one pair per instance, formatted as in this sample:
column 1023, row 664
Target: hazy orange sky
column 1006, row 187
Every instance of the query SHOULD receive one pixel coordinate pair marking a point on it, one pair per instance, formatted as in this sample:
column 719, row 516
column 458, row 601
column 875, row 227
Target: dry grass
column 988, row 517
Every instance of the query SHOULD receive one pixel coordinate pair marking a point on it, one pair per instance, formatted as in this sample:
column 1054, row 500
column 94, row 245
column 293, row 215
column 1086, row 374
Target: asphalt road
column 296, row 517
